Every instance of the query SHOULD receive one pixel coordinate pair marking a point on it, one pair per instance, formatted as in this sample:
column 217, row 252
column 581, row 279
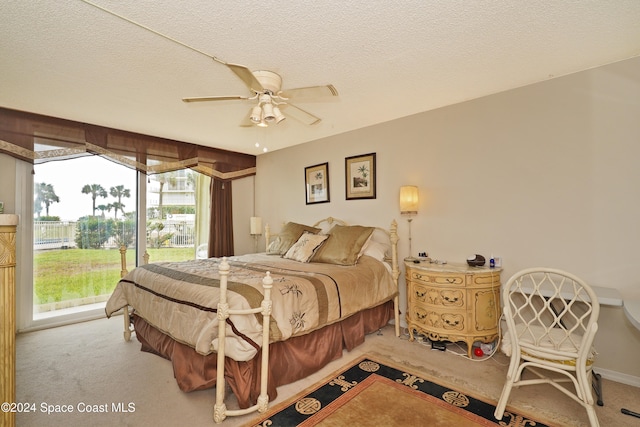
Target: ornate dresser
column 453, row 302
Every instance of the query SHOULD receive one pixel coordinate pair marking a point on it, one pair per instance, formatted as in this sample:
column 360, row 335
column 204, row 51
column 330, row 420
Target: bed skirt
column 289, row 361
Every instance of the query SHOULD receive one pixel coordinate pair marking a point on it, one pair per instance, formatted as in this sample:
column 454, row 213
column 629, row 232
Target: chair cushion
column 555, row 340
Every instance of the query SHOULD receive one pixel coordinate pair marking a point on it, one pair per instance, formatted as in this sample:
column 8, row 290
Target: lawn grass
column 68, row 274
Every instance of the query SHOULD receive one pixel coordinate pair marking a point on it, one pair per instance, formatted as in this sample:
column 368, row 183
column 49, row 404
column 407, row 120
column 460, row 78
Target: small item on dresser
column 478, row 352
column 476, row 260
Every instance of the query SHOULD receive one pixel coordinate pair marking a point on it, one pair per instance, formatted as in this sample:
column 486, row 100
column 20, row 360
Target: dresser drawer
column 437, row 296
column 438, row 321
column 487, row 279
column 437, row 279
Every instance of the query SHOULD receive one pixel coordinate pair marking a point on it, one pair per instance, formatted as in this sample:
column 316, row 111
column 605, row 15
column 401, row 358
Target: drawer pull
column 453, row 300
column 451, row 280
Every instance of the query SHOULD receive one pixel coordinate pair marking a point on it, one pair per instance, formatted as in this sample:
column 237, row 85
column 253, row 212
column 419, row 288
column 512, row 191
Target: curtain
column 221, row 221
column 203, row 210
column 37, row 139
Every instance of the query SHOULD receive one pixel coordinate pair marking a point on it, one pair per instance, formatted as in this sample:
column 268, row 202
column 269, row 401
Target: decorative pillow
column 289, row 235
column 343, row 245
column 305, row 247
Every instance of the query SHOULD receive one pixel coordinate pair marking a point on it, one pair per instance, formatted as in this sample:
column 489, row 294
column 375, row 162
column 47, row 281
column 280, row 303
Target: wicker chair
column 551, row 318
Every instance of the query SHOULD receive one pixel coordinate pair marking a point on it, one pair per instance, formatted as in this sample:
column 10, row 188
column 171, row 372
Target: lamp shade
column 409, row 199
column 256, row 225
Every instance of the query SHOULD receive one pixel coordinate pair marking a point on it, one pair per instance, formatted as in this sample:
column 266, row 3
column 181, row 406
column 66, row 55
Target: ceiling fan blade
column 299, row 114
column 246, row 76
column 214, row 98
column 311, row 91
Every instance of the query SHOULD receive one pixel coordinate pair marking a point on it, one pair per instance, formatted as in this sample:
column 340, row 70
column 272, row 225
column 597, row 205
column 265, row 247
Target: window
column 172, row 230
column 85, row 210
column 36, row 141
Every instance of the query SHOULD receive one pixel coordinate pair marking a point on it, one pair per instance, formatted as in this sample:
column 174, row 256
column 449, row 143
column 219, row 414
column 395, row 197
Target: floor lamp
column 409, row 207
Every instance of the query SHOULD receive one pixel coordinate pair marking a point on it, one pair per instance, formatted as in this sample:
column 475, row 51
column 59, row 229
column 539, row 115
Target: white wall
column 543, row 175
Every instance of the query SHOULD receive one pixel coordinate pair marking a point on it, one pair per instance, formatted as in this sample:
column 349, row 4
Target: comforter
column 180, row 298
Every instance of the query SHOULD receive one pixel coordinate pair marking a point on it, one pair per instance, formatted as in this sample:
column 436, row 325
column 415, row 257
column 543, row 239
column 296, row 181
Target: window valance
column 37, row 139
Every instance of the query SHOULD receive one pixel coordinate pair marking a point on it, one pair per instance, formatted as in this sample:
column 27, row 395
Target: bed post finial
column 395, row 268
column 123, row 261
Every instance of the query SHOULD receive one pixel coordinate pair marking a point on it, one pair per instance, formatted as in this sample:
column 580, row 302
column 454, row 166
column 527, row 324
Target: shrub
column 93, row 231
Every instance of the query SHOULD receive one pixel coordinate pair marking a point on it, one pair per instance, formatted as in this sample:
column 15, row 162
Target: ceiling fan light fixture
column 267, row 112
column 278, row 115
column 256, row 114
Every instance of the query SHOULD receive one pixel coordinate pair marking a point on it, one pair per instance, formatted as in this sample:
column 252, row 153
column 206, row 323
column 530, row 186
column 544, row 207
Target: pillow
column 375, row 249
column 343, row 245
column 378, row 245
column 289, row 235
column 305, row 247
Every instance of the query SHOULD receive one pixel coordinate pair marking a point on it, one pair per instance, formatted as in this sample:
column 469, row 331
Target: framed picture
column 316, row 183
column 360, row 173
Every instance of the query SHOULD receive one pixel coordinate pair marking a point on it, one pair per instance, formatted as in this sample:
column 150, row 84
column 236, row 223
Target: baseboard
column 618, row 377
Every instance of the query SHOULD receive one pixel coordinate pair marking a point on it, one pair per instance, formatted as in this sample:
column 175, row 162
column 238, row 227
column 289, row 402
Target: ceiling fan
column 266, row 89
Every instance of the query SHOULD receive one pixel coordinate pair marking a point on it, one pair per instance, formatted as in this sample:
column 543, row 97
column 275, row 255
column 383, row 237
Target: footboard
column 220, row 411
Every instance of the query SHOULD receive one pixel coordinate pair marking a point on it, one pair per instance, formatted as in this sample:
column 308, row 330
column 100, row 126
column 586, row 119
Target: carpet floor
column 86, row 375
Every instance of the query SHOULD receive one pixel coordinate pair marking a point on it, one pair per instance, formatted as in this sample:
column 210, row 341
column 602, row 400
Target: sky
column 69, row 176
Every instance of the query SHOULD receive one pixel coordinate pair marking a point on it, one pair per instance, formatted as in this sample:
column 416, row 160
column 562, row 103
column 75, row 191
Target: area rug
column 374, row 391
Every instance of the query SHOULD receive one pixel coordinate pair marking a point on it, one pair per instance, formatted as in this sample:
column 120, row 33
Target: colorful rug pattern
column 374, row 392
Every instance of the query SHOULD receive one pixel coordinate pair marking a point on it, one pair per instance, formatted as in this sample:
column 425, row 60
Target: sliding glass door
column 85, row 210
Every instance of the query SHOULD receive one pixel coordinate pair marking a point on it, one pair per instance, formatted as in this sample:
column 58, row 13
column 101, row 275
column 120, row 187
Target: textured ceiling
column 387, row 59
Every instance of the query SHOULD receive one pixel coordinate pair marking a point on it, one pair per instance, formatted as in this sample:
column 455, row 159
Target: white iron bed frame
column 220, row 411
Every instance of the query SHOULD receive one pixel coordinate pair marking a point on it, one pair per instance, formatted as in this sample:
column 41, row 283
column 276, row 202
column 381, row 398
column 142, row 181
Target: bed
column 262, row 320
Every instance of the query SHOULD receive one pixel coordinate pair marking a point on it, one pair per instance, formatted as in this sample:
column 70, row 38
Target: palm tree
column 119, row 192
column 103, row 208
column 95, row 190
column 45, row 194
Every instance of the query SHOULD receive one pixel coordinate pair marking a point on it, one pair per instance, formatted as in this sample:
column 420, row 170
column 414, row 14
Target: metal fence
column 62, row 234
